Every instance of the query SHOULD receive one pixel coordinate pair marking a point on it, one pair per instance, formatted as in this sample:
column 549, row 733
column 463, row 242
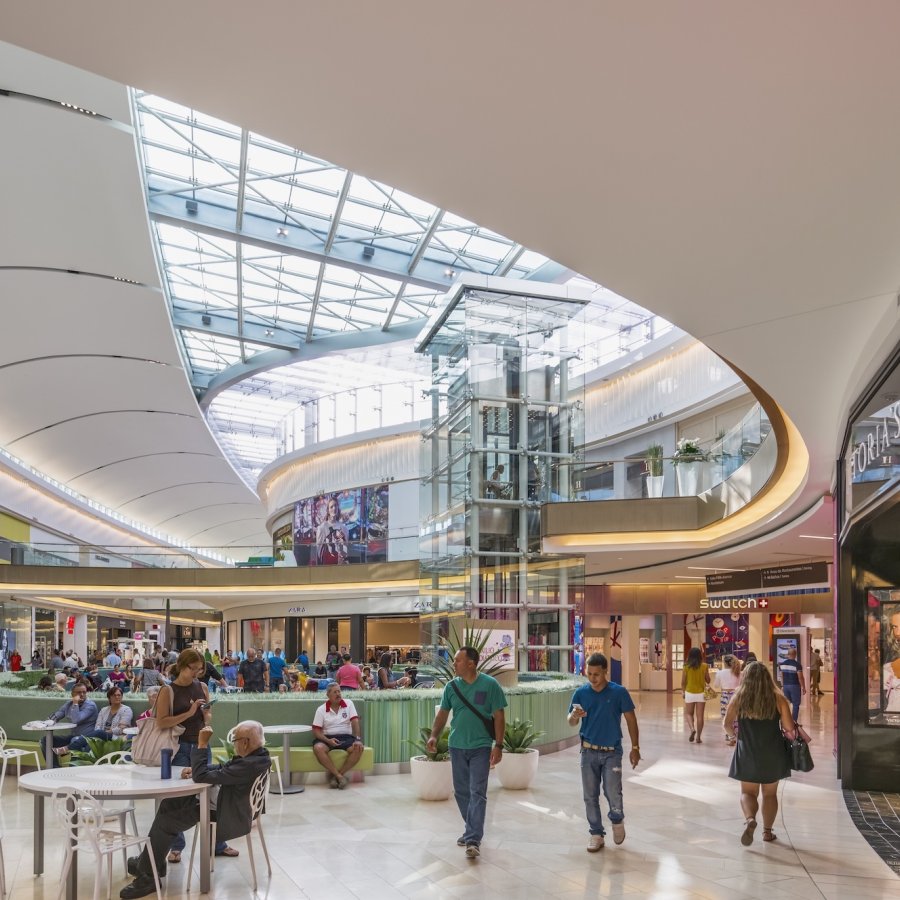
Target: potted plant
column 519, row 765
column 687, row 458
column 654, row 463
column 430, row 769
column 477, row 639
column 97, row 748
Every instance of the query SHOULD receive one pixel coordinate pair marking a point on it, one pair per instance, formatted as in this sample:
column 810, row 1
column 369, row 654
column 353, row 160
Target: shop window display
column 883, row 628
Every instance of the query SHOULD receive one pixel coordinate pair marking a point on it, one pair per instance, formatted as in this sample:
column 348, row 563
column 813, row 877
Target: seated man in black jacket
column 232, row 813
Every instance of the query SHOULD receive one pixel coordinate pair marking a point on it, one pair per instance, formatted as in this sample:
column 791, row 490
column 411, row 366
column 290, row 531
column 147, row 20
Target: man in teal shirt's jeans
column 476, row 740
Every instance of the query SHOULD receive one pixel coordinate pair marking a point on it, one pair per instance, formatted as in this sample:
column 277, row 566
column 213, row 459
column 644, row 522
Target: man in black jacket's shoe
column 232, row 813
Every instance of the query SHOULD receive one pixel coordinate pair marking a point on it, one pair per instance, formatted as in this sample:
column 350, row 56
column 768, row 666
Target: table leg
column 286, row 785
column 72, row 880
column 38, row 836
column 205, row 849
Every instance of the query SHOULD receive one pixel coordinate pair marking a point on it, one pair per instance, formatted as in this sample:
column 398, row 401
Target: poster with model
column 342, row 527
column 890, row 657
column 883, row 658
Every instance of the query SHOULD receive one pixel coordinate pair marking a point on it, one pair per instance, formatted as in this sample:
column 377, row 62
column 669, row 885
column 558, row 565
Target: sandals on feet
column 769, row 835
column 691, row 738
column 174, row 856
column 749, row 828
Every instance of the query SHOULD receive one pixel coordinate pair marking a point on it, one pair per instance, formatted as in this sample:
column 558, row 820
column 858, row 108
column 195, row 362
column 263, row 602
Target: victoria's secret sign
column 878, row 443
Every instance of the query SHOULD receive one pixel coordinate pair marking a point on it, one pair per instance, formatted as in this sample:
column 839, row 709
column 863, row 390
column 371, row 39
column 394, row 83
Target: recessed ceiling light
column 817, row 537
column 694, row 577
column 449, row 273
column 282, row 232
column 714, row 569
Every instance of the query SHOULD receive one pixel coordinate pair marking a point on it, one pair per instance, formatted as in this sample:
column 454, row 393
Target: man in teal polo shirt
column 476, row 740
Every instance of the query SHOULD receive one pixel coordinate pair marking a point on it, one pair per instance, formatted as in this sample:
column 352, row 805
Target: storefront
column 869, row 589
column 646, row 631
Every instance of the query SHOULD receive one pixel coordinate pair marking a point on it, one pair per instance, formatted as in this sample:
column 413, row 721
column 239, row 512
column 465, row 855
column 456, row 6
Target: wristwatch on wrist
column 636, row 748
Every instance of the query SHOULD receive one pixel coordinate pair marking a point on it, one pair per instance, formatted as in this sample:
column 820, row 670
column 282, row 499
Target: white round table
column 286, row 731
column 123, row 782
column 48, row 728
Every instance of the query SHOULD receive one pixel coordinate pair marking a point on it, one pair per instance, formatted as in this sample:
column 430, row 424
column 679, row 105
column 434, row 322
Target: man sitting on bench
column 336, row 727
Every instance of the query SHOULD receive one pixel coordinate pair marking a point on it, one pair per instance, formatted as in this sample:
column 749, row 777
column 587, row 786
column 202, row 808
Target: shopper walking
column 599, row 707
column 815, row 674
column 727, row 681
column 759, row 761
column 694, row 679
column 476, row 740
column 792, row 682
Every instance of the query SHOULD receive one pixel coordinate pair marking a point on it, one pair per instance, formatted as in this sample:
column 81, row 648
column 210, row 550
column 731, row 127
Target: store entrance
column 397, row 635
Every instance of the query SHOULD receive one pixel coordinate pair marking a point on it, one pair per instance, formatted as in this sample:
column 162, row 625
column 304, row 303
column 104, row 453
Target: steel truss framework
column 273, row 259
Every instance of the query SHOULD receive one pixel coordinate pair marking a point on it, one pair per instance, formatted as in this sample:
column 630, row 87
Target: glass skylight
column 264, row 247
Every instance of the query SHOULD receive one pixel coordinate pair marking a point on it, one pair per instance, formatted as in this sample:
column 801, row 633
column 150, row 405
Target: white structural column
column 631, row 652
column 79, row 639
column 759, row 634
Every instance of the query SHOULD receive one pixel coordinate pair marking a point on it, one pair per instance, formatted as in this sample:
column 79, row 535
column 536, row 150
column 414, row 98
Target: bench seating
column 304, row 761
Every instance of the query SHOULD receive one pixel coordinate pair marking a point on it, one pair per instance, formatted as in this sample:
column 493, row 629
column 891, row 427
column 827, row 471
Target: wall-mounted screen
column 342, row 527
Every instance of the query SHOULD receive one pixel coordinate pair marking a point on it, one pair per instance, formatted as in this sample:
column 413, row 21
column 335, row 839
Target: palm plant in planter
column 469, row 636
column 654, row 463
column 97, row 748
column 519, row 765
column 430, row 769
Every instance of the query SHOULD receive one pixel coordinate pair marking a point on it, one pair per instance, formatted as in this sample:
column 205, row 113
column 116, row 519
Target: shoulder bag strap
column 488, row 723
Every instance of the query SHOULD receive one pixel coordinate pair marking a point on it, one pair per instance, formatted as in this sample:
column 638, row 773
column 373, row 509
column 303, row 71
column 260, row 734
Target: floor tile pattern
column 682, row 816
column 877, row 816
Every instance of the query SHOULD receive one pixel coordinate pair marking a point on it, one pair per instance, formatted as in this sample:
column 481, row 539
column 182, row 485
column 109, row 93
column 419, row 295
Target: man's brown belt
column 588, row 746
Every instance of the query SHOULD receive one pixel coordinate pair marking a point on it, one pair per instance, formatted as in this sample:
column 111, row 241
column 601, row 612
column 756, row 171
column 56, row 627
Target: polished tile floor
column 682, row 815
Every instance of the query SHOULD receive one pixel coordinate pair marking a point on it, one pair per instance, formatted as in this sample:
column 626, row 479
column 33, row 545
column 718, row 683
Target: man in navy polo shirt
column 599, row 707
column 793, row 684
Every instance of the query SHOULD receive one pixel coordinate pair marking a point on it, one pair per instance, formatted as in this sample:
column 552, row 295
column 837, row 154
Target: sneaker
column 332, row 782
column 460, row 842
column 140, row 887
column 342, row 782
column 595, row 843
column 618, row 832
column 473, row 851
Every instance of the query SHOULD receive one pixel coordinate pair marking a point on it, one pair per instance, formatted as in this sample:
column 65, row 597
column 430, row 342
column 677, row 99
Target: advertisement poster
column 501, row 640
column 883, row 629
column 342, row 527
column 727, row 634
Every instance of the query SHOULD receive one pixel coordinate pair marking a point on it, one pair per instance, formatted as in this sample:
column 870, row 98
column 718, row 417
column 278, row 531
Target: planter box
column 516, row 771
column 433, row 780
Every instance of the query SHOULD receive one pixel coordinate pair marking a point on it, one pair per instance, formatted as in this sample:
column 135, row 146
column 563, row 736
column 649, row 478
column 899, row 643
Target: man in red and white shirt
column 336, row 727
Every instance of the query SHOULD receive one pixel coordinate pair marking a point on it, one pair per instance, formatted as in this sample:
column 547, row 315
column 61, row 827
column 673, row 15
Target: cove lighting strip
column 105, row 512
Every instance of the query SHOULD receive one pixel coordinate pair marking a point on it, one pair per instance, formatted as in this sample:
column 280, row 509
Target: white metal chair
column 3, row 891
column 119, row 810
column 83, row 817
column 8, row 753
column 257, row 803
column 276, row 759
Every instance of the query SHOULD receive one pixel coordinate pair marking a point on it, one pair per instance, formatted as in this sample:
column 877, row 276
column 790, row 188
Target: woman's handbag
column 151, row 739
column 799, row 757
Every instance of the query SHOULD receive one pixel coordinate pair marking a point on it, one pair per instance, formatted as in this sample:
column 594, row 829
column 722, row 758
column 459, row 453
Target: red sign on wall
column 70, row 625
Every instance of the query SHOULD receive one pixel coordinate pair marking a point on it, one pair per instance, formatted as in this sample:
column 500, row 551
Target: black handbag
column 799, row 757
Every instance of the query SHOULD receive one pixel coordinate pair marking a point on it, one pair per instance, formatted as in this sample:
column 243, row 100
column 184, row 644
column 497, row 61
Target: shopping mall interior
column 319, row 330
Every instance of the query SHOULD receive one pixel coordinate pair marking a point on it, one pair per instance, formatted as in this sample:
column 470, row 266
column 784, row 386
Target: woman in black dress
column 760, row 760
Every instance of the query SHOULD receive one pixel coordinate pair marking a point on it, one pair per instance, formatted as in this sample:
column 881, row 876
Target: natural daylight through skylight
column 273, row 258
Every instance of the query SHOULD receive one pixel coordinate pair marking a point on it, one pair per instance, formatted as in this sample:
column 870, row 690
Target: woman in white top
column 110, row 720
column 727, row 681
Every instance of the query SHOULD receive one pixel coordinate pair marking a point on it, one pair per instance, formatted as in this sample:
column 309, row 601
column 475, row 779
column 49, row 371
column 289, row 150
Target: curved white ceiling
column 92, row 388
column 731, row 168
